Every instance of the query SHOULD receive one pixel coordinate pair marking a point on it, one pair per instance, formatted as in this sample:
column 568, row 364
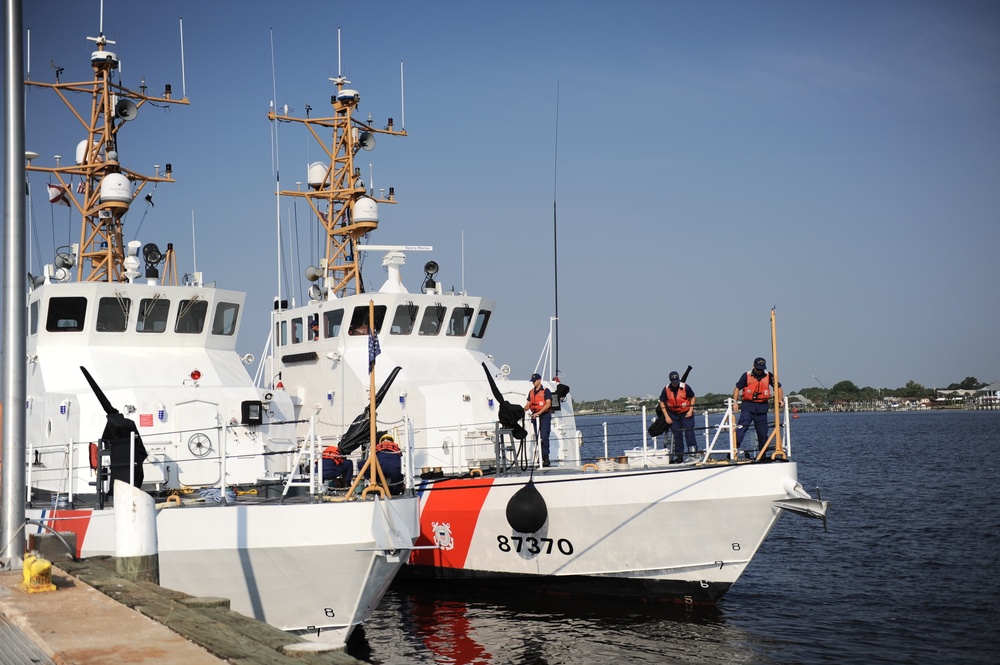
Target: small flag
column 57, row 195
column 373, row 349
column 80, row 187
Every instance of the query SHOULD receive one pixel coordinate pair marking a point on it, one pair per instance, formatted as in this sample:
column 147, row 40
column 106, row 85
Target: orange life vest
column 757, row 390
column 678, row 402
column 387, row 446
column 536, row 400
column 333, row 453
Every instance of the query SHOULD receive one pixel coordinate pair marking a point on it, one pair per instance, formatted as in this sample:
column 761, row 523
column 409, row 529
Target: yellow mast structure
column 107, row 188
column 335, row 188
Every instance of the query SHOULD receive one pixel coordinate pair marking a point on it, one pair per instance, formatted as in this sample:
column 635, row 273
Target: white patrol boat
column 490, row 513
column 132, row 376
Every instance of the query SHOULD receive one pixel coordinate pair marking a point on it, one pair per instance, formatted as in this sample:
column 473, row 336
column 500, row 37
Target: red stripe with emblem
column 454, row 505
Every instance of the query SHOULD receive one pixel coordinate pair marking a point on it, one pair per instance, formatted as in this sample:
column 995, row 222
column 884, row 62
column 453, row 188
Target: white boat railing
column 68, row 480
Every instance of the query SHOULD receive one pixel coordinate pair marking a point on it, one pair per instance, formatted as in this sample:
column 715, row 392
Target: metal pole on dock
column 14, row 373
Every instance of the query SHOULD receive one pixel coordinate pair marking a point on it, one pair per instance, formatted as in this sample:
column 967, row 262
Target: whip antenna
column 183, row 76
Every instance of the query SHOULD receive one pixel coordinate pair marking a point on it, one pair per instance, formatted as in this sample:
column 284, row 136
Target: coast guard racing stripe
column 448, row 518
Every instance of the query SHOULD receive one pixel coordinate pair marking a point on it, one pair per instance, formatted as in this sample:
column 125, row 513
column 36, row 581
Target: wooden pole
column 779, row 449
column 376, row 480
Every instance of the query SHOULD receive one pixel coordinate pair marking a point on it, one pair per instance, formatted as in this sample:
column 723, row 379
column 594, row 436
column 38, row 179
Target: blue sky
column 837, row 161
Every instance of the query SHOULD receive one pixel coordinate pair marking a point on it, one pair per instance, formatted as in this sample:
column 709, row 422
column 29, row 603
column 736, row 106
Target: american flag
column 373, row 349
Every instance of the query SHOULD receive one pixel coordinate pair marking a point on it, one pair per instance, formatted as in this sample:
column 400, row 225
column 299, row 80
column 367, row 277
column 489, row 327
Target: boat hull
column 293, row 566
column 684, row 534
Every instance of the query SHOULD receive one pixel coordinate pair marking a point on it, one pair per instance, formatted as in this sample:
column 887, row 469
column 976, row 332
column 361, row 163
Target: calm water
column 908, row 572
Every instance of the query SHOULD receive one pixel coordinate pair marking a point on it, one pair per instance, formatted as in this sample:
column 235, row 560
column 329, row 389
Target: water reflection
column 418, row 624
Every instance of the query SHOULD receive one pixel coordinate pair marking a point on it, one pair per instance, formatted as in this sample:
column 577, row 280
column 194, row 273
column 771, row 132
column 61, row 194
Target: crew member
column 757, row 387
column 677, row 404
column 338, row 471
column 540, row 405
column 390, row 458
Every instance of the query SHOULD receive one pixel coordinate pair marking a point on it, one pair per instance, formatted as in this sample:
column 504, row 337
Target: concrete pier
column 96, row 617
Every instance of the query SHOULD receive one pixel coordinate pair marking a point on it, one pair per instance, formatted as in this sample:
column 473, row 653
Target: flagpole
column 376, row 479
column 372, row 352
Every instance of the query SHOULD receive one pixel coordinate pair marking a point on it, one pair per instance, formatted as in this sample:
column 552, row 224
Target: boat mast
column 335, row 188
column 103, row 197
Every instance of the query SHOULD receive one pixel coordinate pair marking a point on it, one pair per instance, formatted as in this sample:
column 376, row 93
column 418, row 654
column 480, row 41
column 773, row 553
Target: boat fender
column 526, row 510
column 93, row 457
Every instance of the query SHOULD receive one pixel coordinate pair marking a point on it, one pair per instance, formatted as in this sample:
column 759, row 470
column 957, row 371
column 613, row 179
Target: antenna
column 28, row 63
column 339, row 74
column 463, row 261
column 101, row 26
column 183, row 77
column 402, row 103
column 555, row 241
column 194, row 243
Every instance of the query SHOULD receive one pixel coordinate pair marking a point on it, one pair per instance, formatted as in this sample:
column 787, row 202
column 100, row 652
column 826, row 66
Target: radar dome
column 116, row 188
column 81, row 151
column 348, row 95
column 317, row 174
column 365, row 210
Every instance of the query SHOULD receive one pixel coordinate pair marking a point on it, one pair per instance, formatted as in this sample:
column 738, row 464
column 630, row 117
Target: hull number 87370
column 533, row 545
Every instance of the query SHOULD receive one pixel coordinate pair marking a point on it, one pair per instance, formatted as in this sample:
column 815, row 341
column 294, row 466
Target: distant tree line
column 847, row 391
column 844, row 391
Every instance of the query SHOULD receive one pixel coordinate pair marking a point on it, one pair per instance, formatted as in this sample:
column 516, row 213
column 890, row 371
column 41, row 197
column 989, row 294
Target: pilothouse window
column 191, row 317
column 404, row 319
column 66, row 314
column 430, row 324
column 226, row 317
column 332, row 322
column 481, row 321
column 152, row 315
column 458, row 325
column 112, row 314
column 359, row 319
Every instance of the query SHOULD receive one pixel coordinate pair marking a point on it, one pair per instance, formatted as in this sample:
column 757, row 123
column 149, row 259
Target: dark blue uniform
column 542, row 422
column 341, row 473
column 392, row 467
column 753, row 412
column 681, row 425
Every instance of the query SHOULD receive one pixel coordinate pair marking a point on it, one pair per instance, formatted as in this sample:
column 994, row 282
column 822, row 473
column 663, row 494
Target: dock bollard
column 37, row 574
column 137, row 556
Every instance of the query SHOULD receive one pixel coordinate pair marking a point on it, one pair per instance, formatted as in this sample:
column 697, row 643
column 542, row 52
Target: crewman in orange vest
column 337, row 469
column 540, row 405
column 677, row 404
column 756, row 387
